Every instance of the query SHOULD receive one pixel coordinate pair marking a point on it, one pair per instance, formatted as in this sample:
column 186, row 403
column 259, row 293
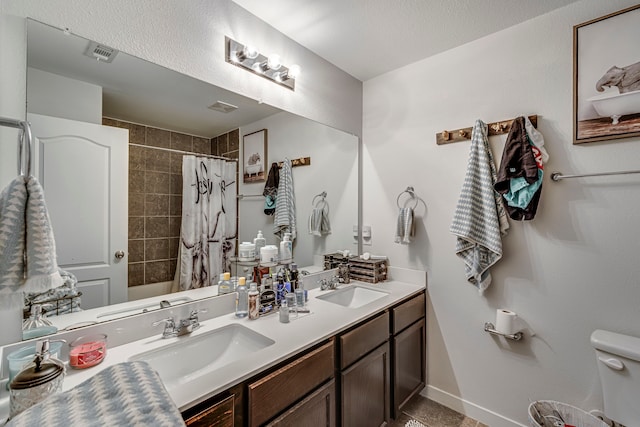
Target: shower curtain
column 208, row 230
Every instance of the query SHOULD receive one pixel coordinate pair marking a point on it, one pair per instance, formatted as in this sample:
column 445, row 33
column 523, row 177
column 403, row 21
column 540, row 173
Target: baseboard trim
column 469, row 409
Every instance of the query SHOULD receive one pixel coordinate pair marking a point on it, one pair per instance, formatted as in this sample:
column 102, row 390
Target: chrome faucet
column 329, row 284
column 184, row 327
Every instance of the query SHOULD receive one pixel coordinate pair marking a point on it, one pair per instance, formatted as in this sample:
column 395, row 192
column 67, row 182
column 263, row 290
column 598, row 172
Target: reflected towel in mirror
column 27, row 246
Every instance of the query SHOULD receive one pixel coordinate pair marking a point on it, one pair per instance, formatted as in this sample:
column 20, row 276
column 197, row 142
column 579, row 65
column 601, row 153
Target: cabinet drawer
column 220, row 414
column 275, row 392
column 223, row 410
column 316, row 410
column 361, row 340
column 408, row 312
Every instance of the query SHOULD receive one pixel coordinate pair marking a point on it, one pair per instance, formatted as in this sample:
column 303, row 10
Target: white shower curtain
column 208, row 231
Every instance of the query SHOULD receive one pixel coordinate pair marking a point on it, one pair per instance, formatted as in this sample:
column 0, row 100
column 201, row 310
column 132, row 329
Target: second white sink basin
column 353, row 296
column 190, row 357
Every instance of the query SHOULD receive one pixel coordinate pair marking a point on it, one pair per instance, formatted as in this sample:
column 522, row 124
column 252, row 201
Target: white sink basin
column 353, row 296
column 190, row 357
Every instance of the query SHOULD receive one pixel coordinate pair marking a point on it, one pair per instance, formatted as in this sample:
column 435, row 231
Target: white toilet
column 619, row 367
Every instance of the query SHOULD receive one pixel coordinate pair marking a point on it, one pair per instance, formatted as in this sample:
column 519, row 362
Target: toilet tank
column 618, row 358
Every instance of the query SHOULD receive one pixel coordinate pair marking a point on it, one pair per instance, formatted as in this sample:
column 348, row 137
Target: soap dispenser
column 38, row 380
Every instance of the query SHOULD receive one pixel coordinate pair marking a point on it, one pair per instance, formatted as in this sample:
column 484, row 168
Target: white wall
column 571, row 270
column 53, row 95
column 333, row 169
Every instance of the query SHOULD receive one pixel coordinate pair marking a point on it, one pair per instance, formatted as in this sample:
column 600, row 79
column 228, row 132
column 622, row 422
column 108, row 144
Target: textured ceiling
column 367, row 38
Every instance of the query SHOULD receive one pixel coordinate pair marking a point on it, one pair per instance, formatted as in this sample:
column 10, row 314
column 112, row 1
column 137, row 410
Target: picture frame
column 606, row 77
column 254, row 156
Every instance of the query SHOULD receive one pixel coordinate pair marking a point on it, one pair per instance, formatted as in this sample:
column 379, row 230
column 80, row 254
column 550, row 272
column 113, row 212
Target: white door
column 83, row 168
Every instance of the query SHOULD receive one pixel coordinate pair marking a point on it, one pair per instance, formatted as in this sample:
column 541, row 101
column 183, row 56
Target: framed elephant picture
column 606, row 77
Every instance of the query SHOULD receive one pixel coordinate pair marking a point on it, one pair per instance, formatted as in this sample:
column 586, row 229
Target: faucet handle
column 194, row 313
column 168, row 321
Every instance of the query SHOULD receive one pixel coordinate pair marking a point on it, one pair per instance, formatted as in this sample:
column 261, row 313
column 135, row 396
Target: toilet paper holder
column 488, row 327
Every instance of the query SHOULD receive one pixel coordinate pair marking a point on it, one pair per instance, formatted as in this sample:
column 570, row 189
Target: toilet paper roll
column 506, row 321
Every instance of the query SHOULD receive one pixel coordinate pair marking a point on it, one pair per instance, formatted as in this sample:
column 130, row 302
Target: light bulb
column 294, row 71
column 250, row 52
column 274, row 61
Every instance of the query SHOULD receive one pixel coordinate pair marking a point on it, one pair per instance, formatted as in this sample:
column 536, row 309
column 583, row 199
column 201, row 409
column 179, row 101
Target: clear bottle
column 286, row 249
column 242, row 298
column 225, row 286
column 259, row 242
column 254, row 301
column 284, row 311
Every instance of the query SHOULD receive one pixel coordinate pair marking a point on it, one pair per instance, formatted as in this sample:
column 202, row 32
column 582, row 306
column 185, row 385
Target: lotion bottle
column 254, row 301
column 286, row 249
column 259, row 242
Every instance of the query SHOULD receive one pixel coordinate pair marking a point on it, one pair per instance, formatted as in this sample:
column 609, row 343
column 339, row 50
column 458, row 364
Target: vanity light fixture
column 248, row 57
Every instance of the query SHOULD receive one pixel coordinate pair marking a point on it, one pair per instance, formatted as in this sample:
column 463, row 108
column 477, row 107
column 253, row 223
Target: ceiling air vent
column 223, row 107
column 100, row 52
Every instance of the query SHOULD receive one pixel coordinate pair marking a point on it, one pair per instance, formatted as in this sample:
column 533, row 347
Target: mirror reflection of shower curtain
column 208, row 230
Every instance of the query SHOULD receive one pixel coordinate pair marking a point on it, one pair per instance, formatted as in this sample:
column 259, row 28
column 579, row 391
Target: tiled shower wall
column 155, row 195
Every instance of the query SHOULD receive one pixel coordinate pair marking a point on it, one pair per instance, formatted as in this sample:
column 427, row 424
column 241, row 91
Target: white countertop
column 325, row 320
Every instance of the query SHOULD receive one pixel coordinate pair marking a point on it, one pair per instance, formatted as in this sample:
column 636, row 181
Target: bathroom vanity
column 363, row 375
column 360, row 350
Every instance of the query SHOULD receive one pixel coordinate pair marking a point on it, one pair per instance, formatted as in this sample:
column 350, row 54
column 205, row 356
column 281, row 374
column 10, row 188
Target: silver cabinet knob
column 119, row 254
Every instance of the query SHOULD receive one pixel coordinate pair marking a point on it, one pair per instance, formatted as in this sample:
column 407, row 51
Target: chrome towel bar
column 557, row 176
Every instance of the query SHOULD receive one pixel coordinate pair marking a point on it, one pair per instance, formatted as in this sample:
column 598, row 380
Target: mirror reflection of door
column 83, row 168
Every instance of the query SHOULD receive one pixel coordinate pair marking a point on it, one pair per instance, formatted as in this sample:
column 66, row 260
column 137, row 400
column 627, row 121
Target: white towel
column 404, row 226
column 284, row 220
column 319, row 224
column 476, row 221
column 27, row 246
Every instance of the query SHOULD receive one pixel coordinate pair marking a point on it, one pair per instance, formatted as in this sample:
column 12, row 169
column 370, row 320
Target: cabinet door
column 409, row 364
column 317, row 410
column 365, row 390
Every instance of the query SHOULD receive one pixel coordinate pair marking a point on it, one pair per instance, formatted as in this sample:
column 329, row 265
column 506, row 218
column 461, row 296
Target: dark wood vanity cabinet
column 408, row 358
column 360, row 377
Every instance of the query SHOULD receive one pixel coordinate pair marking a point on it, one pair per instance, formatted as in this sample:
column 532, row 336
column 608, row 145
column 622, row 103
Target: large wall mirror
column 156, row 114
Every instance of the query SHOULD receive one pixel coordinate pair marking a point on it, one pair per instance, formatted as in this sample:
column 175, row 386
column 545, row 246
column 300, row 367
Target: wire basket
column 572, row 416
column 53, row 306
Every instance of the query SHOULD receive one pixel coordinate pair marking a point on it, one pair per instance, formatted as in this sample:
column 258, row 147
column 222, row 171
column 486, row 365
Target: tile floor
column 432, row 414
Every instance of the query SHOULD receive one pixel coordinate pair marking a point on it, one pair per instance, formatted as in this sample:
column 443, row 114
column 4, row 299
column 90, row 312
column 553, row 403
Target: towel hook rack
column 411, row 193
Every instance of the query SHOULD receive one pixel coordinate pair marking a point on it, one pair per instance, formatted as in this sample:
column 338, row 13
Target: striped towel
column 27, row 247
column 480, row 217
column 125, row 394
column 285, row 216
